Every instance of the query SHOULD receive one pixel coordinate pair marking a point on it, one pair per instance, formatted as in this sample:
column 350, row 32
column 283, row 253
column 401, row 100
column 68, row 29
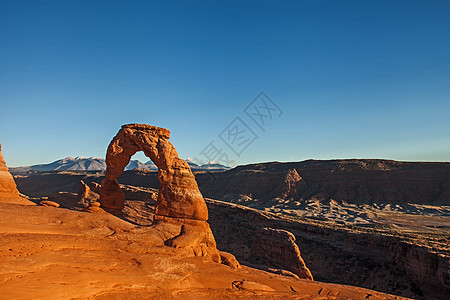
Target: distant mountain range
column 99, row 164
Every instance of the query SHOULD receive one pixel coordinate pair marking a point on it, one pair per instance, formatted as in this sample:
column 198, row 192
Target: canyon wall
column 338, row 255
column 358, row 181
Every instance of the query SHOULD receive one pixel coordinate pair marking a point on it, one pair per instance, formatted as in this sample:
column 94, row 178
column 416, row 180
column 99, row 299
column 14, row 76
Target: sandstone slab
column 98, row 256
column 48, row 203
column 279, row 247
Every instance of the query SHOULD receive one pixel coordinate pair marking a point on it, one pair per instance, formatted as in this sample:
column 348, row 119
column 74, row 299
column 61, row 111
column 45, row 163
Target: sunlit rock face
column 8, row 189
column 179, row 205
column 278, row 246
column 178, row 197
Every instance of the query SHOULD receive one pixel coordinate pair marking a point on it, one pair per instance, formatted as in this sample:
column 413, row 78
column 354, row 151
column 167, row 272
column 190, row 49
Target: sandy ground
column 56, row 253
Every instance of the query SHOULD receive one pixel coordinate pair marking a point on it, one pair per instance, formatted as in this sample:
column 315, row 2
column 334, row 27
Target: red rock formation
column 95, row 187
column 179, row 202
column 278, row 247
column 178, row 195
column 85, row 195
column 85, row 192
column 8, row 189
column 49, row 203
column 229, row 260
column 88, row 198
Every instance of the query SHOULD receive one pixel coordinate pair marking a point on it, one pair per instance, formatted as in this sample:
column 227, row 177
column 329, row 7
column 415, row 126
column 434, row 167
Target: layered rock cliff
column 376, row 260
column 357, row 181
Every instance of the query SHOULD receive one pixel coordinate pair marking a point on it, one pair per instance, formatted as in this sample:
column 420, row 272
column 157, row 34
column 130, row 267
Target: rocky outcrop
column 88, row 197
column 229, row 260
column 85, row 195
column 94, row 187
column 279, row 248
column 8, row 189
column 180, row 209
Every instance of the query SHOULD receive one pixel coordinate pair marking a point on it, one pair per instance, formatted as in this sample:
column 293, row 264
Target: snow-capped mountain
column 96, row 163
column 68, row 163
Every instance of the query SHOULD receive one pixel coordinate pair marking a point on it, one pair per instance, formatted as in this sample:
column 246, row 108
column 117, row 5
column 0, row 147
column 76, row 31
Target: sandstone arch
column 178, row 196
column 180, row 211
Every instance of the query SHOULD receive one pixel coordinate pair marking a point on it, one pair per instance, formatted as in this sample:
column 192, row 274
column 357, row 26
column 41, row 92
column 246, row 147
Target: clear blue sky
column 355, row 79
